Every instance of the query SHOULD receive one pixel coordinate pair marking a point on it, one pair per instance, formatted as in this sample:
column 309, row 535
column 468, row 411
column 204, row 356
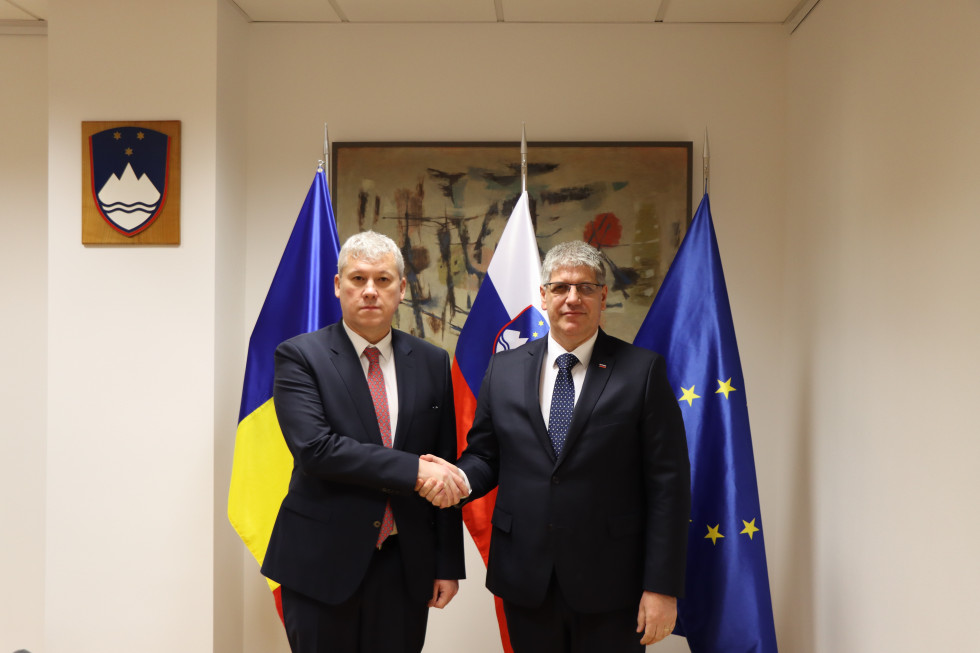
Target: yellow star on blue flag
column 688, row 395
column 750, row 528
column 724, row 387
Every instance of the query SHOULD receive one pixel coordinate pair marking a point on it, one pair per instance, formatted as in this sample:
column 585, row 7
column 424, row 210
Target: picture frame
column 446, row 203
column 131, row 182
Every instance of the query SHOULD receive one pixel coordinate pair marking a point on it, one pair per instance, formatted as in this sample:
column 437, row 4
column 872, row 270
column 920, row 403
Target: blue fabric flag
column 301, row 298
column 727, row 608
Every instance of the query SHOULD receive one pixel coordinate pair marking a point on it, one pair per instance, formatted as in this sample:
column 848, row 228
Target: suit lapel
column 351, row 373
column 405, row 375
column 532, row 391
column 596, row 376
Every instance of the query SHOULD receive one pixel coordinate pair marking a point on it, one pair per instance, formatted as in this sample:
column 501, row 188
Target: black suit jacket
column 327, row 527
column 610, row 515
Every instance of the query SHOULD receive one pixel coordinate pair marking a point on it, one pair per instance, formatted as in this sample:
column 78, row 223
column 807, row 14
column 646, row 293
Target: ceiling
column 31, row 15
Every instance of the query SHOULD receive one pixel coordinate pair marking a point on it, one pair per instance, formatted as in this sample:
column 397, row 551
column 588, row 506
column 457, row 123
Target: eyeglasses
column 561, row 288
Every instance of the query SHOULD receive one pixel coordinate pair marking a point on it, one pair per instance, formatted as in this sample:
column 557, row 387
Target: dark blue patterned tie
column 562, row 402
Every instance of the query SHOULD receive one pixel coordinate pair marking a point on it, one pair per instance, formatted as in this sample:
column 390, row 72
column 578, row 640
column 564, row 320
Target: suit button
column 554, row 480
column 377, row 524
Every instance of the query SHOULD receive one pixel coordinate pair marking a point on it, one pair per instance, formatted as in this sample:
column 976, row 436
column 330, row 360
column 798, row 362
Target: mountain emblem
column 529, row 324
column 130, row 175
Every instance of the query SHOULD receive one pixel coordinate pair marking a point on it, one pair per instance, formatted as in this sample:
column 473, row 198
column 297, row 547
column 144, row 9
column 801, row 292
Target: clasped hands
column 440, row 482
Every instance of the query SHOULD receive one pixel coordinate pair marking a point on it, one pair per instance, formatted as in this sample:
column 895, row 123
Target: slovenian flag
column 727, row 605
column 300, row 300
column 504, row 316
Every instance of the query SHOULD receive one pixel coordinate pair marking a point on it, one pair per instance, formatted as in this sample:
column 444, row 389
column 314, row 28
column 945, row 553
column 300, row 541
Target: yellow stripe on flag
column 259, row 479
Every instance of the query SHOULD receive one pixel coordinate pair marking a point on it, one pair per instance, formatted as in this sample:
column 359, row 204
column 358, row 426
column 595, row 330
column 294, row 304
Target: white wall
column 229, row 332
column 131, row 345
column 884, row 314
column 568, row 82
column 23, row 340
column 843, row 160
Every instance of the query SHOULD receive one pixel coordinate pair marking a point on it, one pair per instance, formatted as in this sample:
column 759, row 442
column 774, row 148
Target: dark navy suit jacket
column 327, row 527
column 610, row 515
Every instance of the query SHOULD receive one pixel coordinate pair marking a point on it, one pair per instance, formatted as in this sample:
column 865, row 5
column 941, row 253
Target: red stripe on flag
column 465, row 403
column 502, row 623
column 277, row 595
column 476, row 514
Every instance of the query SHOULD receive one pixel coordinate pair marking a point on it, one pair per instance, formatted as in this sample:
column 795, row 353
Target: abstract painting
column 445, row 204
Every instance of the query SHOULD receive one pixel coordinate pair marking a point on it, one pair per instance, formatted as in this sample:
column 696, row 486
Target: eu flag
column 727, row 607
column 301, row 299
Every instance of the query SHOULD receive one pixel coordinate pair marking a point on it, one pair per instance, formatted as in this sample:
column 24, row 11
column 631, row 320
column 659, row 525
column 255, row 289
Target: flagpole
column 325, row 163
column 705, row 158
column 523, row 158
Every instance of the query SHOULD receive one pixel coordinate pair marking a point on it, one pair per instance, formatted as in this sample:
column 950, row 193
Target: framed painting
column 446, row 204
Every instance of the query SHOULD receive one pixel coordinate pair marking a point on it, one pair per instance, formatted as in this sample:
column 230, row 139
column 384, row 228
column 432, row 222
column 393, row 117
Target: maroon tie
column 376, row 382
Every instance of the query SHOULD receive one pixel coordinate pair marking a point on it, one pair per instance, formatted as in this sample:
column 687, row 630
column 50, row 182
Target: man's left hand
column 443, row 592
column 656, row 618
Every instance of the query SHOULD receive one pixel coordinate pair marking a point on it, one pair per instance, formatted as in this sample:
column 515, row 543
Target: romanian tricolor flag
column 503, row 317
column 300, row 299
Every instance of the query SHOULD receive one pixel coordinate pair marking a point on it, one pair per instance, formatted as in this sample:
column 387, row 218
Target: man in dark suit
column 359, row 555
column 583, row 437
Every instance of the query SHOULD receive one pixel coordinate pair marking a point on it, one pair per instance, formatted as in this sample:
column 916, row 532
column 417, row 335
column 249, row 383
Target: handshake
column 440, row 482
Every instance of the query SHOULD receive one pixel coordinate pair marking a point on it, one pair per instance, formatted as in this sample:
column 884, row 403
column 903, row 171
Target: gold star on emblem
column 713, row 534
column 139, row 135
column 689, row 395
column 534, row 335
column 750, row 528
column 116, row 135
column 129, row 151
column 725, row 387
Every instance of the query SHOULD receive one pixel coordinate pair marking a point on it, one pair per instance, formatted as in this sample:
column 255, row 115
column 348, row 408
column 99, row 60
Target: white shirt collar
column 583, row 352
column 360, row 343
